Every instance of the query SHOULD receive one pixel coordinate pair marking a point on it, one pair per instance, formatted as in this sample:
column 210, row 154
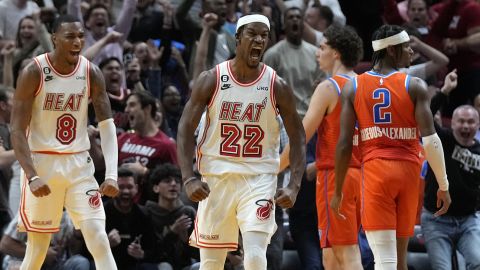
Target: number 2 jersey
column 386, row 117
column 59, row 113
column 241, row 130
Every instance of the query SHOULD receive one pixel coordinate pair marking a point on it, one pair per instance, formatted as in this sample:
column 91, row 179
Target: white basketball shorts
column 236, row 201
column 72, row 185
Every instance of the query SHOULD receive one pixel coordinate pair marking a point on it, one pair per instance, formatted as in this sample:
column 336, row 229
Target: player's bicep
column 100, row 101
column 423, row 114
column 28, row 83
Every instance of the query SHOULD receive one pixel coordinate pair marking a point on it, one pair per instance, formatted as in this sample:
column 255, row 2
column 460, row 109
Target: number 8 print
column 66, row 128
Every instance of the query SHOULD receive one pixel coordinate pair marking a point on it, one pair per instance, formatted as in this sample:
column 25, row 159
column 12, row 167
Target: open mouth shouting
column 255, row 53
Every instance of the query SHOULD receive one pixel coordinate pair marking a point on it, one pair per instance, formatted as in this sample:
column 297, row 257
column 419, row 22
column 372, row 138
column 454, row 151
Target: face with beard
column 465, row 123
column 293, row 24
column 98, row 21
column 128, row 189
column 112, row 72
column 252, row 41
column 137, row 116
column 417, row 13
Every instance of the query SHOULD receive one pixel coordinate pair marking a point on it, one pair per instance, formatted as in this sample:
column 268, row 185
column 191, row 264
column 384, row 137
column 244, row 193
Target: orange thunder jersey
column 329, row 132
column 386, row 117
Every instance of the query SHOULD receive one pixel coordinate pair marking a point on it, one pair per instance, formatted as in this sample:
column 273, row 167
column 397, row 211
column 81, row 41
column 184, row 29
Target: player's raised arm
column 106, row 127
column 343, row 152
column 201, row 94
column 431, row 142
column 296, row 135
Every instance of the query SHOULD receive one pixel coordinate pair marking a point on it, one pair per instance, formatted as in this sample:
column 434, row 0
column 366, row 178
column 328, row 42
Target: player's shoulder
column 206, row 78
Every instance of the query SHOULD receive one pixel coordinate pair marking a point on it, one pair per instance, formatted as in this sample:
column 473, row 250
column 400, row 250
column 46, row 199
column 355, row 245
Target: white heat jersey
column 59, row 114
column 241, row 129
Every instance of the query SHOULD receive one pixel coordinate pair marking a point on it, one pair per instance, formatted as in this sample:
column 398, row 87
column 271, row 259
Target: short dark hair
column 164, row 171
column 346, row 41
column 124, row 172
column 89, row 11
column 106, row 61
column 146, row 98
column 382, row 32
column 326, row 13
column 63, row 19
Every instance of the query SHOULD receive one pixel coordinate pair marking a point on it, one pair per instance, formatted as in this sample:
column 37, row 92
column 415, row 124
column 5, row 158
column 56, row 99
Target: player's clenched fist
column 109, row 188
column 285, row 197
column 38, row 187
column 197, row 190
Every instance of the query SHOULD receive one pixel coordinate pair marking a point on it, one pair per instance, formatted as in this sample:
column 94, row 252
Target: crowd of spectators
column 151, row 52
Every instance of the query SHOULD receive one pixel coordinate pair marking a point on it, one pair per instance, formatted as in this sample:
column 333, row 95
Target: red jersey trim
column 60, row 74
column 56, row 153
column 245, row 84
column 39, row 88
column 210, row 245
column 272, row 93
column 24, row 217
column 202, row 140
column 88, row 79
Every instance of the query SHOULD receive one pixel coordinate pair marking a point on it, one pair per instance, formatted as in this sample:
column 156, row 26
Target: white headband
column 399, row 38
column 251, row 19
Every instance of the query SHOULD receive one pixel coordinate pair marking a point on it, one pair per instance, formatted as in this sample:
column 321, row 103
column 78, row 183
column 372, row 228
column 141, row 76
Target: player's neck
column 61, row 65
column 338, row 68
column 385, row 66
column 242, row 72
column 169, row 204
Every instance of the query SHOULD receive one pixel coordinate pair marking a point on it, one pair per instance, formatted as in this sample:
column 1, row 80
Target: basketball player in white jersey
column 49, row 136
column 238, row 151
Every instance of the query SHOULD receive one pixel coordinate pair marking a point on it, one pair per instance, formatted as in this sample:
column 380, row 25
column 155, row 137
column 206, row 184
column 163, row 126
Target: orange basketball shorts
column 390, row 195
column 333, row 229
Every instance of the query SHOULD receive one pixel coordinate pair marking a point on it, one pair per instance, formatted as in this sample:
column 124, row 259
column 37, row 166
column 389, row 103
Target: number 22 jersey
column 59, row 112
column 386, row 117
column 241, row 130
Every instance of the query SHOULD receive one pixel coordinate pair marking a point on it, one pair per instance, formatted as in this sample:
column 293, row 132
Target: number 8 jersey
column 386, row 117
column 241, row 130
column 59, row 110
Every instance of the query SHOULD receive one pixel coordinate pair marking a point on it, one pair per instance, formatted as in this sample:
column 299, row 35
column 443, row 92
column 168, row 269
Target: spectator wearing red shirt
column 145, row 146
column 458, row 20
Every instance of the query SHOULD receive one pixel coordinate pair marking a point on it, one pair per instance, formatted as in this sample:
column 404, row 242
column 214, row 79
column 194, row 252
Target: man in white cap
column 238, row 151
column 390, row 108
